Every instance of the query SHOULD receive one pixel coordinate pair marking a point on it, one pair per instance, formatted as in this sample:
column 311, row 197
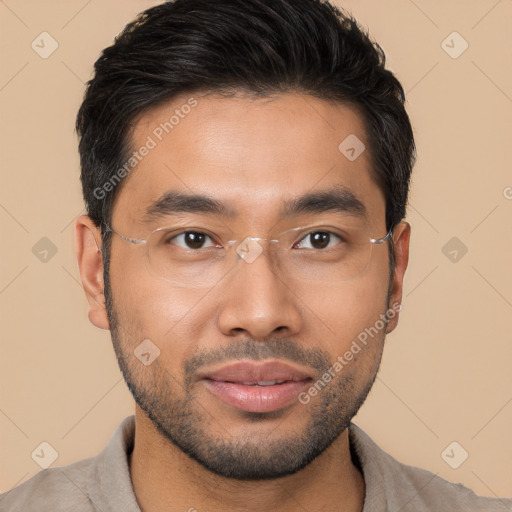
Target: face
column 260, row 319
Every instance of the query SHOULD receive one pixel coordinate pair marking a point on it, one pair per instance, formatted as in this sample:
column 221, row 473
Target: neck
column 164, row 478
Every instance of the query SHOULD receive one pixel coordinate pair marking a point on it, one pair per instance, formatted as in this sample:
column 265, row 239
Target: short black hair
column 263, row 47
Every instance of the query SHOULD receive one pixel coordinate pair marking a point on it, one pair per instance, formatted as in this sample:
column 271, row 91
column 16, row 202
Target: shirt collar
column 110, row 487
column 109, row 483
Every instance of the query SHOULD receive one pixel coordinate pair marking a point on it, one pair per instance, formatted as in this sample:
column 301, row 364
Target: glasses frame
column 140, row 241
column 144, row 241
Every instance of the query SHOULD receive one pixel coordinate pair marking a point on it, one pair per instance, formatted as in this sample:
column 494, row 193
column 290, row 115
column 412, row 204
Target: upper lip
column 250, row 371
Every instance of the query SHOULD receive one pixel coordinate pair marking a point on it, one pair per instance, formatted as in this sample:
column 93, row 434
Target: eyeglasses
column 197, row 257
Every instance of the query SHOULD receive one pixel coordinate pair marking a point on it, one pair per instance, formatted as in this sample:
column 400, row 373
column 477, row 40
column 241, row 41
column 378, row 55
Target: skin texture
column 193, row 451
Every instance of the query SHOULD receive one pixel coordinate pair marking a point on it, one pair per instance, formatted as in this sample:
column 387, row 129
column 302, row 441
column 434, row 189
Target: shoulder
column 407, row 488
column 428, row 491
column 101, row 482
column 53, row 489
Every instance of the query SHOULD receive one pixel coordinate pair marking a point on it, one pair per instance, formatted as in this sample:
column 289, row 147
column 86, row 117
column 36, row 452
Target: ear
column 401, row 237
column 89, row 256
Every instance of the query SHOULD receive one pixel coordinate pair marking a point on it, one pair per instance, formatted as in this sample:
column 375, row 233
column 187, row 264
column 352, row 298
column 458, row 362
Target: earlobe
column 90, row 263
column 401, row 239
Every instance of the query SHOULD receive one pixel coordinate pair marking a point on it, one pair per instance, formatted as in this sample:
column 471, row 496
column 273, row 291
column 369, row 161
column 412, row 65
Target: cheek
column 350, row 318
column 150, row 306
column 342, row 312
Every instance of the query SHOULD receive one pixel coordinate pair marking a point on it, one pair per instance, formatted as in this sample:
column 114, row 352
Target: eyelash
column 211, row 238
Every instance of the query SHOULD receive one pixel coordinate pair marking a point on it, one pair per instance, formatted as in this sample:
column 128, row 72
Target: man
column 246, row 166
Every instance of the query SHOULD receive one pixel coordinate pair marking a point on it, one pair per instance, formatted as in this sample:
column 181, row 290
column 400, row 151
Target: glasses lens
column 197, row 259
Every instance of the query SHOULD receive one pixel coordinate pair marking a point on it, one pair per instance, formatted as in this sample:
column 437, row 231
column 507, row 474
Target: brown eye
column 191, row 240
column 318, row 240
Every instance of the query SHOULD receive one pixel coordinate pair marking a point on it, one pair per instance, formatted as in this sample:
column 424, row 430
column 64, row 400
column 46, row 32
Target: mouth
column 257, row 386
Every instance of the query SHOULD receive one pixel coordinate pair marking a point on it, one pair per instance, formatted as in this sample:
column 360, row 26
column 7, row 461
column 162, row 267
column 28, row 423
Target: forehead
column 253, row 155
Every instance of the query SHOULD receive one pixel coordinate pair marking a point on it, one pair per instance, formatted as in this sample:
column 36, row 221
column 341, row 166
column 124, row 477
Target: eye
column 318, row 240
column 191, row 240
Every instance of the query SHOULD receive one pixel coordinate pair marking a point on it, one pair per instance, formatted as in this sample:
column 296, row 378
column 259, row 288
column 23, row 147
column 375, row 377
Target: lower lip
column 256, row 398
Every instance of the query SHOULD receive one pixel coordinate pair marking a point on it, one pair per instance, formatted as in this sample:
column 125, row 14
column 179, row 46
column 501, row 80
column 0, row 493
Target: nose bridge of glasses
column 251, row 247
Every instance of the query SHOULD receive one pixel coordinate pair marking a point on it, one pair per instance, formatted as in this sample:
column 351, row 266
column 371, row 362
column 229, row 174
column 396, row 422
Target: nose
column 257, row 301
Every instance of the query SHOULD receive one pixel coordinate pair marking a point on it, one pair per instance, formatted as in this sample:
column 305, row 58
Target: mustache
column 274, row 348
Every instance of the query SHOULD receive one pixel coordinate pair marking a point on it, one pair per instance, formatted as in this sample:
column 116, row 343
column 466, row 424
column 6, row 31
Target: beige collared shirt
column 102, row 483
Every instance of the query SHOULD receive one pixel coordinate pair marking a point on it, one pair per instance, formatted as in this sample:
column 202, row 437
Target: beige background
column 446, row 370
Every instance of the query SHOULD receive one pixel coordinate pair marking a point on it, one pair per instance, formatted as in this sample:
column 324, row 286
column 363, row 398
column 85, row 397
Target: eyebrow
column 338, row 199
